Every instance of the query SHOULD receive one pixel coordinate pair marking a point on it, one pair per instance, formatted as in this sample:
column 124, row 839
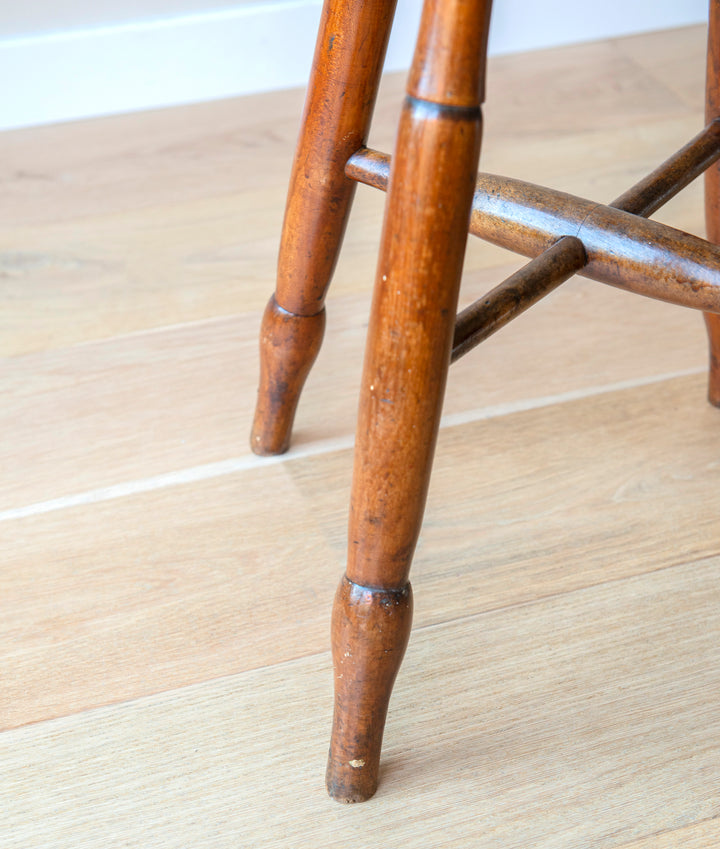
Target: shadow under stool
column 435, row 197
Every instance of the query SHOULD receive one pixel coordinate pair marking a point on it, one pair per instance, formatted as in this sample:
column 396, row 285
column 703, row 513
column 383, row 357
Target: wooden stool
column 434, row 198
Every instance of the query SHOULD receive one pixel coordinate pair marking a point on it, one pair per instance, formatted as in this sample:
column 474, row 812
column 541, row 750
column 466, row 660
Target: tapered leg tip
column 350, row 783
column 268, row 445
column 371, row 628
column 712, row 322
column 713, row 395
column 348, row 797
column 289, row 345
column 714, row 382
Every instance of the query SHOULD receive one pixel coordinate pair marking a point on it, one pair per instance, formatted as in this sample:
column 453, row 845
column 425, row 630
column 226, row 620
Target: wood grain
column 152, row 592
column 407, row 356
column 144, row 668
column 695, row 836
column 128, row 408
column 137, row 222
column 622, row 249
column 588, row 719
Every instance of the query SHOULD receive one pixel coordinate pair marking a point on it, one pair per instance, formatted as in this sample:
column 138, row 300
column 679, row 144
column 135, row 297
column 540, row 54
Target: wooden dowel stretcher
column 568, row 235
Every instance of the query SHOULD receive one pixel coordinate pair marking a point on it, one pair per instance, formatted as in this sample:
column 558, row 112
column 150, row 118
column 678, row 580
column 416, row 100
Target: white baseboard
column 259, row 47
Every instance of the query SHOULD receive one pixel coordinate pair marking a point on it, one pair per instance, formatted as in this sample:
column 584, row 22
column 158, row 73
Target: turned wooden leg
column 406, row 362
column 370, row 631
column 712, row 190
column 348, row 61
column 712, row 322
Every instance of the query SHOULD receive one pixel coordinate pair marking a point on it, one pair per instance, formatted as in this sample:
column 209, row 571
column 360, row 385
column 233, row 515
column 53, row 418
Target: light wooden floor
column 165, row 677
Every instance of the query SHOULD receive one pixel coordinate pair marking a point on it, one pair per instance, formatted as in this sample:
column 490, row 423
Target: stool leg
column 406, row 362
column 712, row 189
column 341, row 95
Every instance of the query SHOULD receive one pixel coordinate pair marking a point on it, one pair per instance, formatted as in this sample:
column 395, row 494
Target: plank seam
column 208, row 471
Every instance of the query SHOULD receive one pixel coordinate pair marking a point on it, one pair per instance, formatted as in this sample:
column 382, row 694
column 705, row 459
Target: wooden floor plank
column 585, row 720
column 680, row 49
column 144, row 593
column 695, row 836
column 142, row 405
column 163, row 665
column 136, row 222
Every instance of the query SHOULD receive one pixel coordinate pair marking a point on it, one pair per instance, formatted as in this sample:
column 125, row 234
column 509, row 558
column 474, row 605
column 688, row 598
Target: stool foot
column 370, row 631
column 349, row 56
column 289, row 345
column 713, row 328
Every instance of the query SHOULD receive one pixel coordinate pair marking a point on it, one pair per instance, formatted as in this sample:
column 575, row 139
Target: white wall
column 39, row 17
column 67, row 59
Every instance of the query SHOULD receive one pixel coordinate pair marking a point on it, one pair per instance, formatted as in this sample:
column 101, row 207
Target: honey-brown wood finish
column 621, row 249
column 434, row 200
column 349, row 55
column 289, row 344
column 406, row 362
column 565, row 652
column 528, row 218
column 517, row 293
column 370, row 632
column 712, row 189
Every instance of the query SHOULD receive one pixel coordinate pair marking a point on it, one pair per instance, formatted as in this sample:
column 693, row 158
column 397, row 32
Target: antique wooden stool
column 434, row 198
